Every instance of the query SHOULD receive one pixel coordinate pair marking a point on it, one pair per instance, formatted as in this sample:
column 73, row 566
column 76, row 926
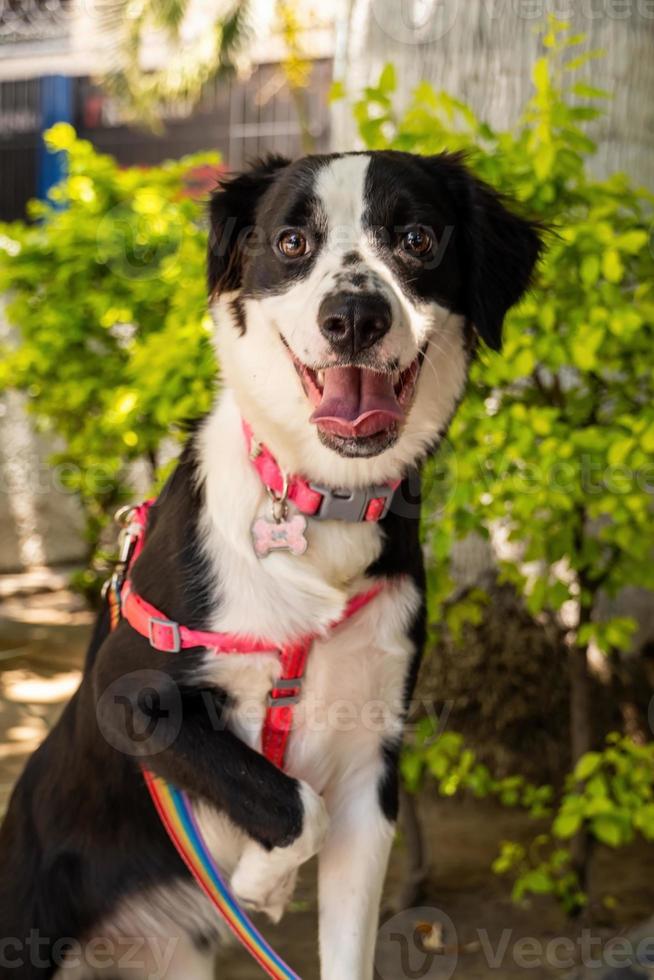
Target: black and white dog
column 348, row 292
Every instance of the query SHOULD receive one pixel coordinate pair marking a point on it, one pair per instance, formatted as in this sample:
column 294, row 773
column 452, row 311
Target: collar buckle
column 351, row 505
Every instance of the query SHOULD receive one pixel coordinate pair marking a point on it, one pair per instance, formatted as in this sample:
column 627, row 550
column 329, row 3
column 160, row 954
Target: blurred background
column 528, row 797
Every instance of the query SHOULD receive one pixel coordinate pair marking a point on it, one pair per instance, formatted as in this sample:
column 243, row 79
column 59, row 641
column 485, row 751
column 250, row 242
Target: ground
column 43, row 635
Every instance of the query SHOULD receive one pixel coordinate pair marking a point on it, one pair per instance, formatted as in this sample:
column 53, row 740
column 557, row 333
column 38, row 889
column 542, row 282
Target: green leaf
column 541, row 74
column 612, row 266
column 632, row 241
column 537, row 882
column 608, row 830
column 388, row 79
column 544, row 161
column 590, row 269
column 337, row 91
column 587, row 765
column 566, row 825
column 589, row 91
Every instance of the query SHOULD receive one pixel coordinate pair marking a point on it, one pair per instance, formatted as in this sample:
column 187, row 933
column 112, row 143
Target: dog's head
column 347, row 291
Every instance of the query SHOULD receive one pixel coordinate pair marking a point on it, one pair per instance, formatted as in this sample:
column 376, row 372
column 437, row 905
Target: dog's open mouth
column 356, row 408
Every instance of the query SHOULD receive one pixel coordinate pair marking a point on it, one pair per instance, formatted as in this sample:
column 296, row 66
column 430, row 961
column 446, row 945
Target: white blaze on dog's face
column 345, row 289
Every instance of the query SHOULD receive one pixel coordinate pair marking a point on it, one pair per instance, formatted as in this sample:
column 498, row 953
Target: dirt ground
column 467, row 911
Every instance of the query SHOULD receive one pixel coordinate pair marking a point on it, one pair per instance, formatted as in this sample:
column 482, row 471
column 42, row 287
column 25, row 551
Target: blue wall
column 56, row 106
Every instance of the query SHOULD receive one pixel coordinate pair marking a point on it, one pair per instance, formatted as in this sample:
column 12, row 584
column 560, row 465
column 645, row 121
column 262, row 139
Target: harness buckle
column 285, row 700
column 350, row 505
column 164, row 635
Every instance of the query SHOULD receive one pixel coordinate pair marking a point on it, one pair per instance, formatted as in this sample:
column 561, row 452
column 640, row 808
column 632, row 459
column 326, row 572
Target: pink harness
column 173, row 806
column 168, row 636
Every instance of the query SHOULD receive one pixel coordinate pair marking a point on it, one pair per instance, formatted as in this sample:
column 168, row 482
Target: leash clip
column 128, row 534
column 124, row 514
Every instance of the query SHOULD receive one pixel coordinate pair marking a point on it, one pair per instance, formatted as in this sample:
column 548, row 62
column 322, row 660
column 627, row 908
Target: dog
column 349, row 293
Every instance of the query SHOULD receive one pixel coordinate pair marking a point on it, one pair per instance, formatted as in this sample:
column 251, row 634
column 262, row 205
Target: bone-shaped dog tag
column 286, row 535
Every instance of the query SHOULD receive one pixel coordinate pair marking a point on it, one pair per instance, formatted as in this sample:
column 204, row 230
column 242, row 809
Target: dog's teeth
column 396, row 377
column 321, row 378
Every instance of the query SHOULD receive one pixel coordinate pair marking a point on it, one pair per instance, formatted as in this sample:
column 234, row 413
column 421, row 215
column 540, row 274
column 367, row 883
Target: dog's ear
column 232, row 212
column 498, row 250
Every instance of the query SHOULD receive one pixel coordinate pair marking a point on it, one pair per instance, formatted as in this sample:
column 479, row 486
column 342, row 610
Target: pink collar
column 321, row 503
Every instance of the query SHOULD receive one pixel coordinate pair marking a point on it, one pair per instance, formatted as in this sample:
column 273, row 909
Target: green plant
column 610, row 795
column 106, row 292
column 456, row 769
column 548, row 424
column 552, row 443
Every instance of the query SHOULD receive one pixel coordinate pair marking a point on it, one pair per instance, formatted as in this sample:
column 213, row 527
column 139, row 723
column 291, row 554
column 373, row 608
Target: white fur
column 148, row 938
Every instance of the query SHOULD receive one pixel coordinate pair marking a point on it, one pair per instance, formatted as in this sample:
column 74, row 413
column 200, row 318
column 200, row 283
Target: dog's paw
column 258, row 891
column 264, row 880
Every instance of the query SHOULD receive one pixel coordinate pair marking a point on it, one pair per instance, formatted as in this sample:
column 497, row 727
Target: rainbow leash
column 176, row 814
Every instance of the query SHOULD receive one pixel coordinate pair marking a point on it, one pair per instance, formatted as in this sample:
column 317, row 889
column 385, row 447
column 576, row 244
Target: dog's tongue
column 356, row 402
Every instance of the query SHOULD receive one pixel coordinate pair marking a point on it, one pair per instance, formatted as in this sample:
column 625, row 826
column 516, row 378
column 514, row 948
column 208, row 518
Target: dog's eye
column 293, row 244
column 417, row 241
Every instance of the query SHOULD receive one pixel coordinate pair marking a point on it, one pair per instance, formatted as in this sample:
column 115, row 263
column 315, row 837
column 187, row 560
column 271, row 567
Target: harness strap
column 168, row 636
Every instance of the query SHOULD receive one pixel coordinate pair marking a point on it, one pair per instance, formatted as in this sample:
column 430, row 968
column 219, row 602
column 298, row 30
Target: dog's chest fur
column 353, row 691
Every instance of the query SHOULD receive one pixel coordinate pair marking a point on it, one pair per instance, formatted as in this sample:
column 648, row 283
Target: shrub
column 107, row 294
column 553, row 441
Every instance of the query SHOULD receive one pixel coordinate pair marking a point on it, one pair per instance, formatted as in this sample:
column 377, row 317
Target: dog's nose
column 352, row 322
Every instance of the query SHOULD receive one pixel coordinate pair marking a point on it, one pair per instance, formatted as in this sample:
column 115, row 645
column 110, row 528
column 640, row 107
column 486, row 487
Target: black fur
column 81, row 833
column 232, row 214
column 402, row 556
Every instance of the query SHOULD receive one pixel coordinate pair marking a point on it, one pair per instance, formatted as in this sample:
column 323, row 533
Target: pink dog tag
column 283, row 535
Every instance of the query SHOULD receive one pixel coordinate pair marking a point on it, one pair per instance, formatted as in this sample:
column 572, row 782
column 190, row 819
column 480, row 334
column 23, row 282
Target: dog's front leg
column 184, row 744
column 353, row 864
